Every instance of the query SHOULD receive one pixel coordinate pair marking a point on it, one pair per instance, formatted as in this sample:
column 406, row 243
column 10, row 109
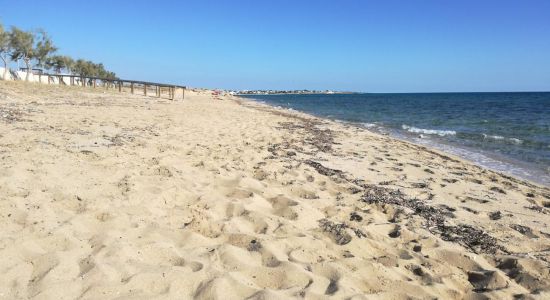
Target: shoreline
column 430, row 146
column 109, row 194
column 265, row 94
column 466, row 154
column 498, row 163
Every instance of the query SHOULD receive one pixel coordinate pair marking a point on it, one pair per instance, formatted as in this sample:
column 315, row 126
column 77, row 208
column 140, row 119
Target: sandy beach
column 110, row 195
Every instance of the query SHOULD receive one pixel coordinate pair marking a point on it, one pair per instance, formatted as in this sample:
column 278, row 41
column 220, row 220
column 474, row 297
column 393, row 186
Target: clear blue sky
column 371, row 46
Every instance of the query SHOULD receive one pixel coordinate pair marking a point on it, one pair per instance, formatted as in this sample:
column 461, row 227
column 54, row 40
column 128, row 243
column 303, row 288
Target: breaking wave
column 501, row 138
column 428, row 131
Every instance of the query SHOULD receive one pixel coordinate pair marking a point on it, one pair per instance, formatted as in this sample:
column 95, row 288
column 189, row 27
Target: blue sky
column 370, row 46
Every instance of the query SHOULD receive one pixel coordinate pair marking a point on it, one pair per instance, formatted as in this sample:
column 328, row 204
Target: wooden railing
column 119, row 84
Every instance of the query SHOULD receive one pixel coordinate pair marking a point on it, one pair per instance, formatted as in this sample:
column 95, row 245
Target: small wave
column 501, row 138
column 369, row 125
column 494, row 137
column 428, row 131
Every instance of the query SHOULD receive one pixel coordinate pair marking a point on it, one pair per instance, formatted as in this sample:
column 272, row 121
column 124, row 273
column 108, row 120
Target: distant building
column 33, row 71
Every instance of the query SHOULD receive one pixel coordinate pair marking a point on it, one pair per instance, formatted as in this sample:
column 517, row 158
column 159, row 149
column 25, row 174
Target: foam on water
column 428, row 131
column 501, row 138
column 370, row 125
column 489, row 160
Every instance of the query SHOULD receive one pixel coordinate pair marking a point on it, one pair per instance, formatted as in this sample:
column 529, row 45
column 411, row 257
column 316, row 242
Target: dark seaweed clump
column 475, row 239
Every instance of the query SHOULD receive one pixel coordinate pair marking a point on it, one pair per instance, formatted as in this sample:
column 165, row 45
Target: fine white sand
column 112, row 195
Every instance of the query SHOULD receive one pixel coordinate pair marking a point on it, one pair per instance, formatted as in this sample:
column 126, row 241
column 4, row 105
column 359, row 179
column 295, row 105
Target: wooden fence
column 120, row 84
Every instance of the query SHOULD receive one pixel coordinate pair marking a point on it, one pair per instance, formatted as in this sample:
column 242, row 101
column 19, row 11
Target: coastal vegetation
column 36, row 49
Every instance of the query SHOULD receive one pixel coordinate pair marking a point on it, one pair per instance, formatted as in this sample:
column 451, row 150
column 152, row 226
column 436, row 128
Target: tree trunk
column 28, row 63
column 5, row 68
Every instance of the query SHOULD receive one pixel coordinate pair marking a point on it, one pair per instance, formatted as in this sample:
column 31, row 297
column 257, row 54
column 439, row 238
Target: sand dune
column 108, row 195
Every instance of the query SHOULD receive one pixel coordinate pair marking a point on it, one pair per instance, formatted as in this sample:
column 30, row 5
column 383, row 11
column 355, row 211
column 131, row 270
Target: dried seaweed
column 320, row 139
column 537, row 208
column 435, row 217
column 337, row 231
column 324, row 170
column 528, row 232
column 10, row 115
column 475, row 239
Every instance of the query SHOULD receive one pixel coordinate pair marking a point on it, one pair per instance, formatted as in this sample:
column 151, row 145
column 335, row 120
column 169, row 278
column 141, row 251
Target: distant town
column 277, row 92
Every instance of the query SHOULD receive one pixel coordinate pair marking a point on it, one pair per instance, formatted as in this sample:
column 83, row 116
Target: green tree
column 56, row 63
column 22, row 43
column 38, row 47
column 87, row 68
column 80, row 67
column 111, row 75
column 5, row 49
column 59, row 62
column 69, row 63
column 43, row 48
column 29, row 46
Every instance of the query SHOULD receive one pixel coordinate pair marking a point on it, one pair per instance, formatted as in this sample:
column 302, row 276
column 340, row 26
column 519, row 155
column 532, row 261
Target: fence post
column 107, row 84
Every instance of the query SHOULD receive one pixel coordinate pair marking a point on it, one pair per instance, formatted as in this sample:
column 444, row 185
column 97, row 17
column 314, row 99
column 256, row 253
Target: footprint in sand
column 330, row 273
column 240, row 194
column 42, row 266
column 282, row 207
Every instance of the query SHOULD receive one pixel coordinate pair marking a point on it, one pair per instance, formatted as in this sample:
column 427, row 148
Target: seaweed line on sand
column 473, row 238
